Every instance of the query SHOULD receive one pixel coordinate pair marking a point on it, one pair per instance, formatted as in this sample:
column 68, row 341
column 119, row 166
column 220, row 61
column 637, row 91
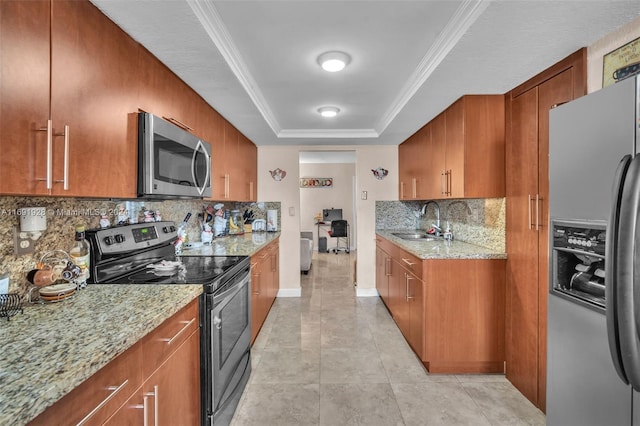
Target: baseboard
column 290, row 292
column 367, row 292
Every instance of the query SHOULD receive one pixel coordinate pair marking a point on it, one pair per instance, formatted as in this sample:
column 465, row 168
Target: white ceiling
column 254, row 61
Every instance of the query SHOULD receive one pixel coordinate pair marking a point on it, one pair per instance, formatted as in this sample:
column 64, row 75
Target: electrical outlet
column 22, row 244
column 363, row 195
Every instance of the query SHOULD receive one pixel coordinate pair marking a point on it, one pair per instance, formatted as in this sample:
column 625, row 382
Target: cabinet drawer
column 407, row 260
column 99, row 396
column 164, row 340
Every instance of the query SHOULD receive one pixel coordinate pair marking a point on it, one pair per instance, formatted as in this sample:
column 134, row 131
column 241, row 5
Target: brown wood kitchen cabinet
column 451, row 311
column 234, row 166
column 383, row 271
column 64, row 61
column 461, row 154
column 265, row 278
column 527, row 217
column 412, row 171
column 159, row 374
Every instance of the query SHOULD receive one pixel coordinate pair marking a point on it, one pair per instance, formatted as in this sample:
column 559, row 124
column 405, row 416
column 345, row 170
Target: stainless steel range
column 144, row 254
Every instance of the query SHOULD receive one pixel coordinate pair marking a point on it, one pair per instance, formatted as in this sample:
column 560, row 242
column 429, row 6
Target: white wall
column 339, row 196
column 287, row 192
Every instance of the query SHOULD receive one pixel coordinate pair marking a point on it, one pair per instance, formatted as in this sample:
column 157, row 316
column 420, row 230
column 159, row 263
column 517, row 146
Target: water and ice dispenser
column 578, row 261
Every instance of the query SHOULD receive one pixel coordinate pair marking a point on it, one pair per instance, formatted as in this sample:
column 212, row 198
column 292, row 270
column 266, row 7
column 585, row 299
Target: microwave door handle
column 199, row 147
column 611, row 270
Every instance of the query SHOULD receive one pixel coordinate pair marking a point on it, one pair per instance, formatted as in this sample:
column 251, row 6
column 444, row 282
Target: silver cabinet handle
column 49, row 130
column 538, row 199
column 154, row 394
column 186, row 325
column 65, row 176
column 114, row 391
column 408, row 262
column 227, row 185
column 414, row 187
column 529, row 210
column 407, row 279
column 178, row 123
column 443, row 178
column 448, row 180
column 387, row 266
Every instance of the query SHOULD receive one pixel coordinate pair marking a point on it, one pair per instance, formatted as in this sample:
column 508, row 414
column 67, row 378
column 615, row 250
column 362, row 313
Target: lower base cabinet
column 154, row 382
column 169, row 396
column 450, row 311
column 265, row 282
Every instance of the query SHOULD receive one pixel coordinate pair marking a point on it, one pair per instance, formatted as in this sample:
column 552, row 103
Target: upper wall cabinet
column 68, row 101
column 464, row 155
column 413, row 158
column 234, row 166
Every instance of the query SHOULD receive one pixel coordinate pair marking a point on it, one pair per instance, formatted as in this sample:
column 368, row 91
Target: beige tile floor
column 330, row 358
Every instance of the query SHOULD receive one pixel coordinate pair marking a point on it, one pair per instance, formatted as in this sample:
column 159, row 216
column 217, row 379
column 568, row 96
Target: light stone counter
column 234, row 245
column 441, row 249
column 50, row 349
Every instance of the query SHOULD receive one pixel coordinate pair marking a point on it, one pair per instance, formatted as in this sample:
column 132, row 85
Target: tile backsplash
column 63, row 214
column 476, row 221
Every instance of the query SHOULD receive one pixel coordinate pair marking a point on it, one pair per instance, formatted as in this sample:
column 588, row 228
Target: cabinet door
column 94, row 91
column 435, row 159
column 215, row 128
column 415, row 300
column 522, row 240
column 410, row 157
column 382, row 277
column 455, row 149
column 399, row 308
column 172, row 393
column 24, row 96
column 554, row 91
column 248, row 157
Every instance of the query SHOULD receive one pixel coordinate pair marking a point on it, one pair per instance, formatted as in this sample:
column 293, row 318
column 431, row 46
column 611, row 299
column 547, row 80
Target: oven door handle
column 227, row 294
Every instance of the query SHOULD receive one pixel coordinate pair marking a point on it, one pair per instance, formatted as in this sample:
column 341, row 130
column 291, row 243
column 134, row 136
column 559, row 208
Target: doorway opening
column 327, row 181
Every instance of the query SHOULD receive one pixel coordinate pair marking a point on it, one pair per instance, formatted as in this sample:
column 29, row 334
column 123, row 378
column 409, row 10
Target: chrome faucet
column 437, row 224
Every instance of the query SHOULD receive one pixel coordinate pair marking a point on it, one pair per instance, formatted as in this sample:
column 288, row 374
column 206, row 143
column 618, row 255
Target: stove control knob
column 109, row 240
column 119, row 238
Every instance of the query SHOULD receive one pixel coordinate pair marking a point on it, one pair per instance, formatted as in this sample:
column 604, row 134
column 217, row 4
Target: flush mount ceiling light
column 334, row 61
column 329, row 111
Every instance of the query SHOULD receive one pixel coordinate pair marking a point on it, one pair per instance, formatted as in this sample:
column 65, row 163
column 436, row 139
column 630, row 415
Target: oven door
column 230, row 356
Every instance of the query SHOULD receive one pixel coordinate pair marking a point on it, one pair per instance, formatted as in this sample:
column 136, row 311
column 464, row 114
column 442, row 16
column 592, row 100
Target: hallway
column 329, row 358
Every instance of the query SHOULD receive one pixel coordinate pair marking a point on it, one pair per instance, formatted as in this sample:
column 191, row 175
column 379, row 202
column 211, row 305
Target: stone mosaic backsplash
column 64, row 214
column 475, row 221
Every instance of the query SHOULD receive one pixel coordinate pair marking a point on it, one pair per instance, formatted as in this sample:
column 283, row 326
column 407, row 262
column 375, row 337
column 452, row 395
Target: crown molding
column 328, row 133
column 465, row 16
column 217, row 31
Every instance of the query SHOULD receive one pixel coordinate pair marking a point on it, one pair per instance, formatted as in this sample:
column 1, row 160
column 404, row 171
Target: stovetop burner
column 127, row 255
column 189, row 270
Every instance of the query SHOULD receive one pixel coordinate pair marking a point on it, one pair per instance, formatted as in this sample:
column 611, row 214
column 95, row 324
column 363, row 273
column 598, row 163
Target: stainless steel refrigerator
column 593, row 345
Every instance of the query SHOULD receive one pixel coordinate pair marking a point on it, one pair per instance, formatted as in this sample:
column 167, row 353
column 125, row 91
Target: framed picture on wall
column 312, row 182
column 621, row 63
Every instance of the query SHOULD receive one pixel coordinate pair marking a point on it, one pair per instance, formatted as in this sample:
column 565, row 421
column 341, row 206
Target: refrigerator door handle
column 620, row 320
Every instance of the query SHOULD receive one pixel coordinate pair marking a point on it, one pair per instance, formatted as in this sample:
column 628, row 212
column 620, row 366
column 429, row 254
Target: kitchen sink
column 422, row 236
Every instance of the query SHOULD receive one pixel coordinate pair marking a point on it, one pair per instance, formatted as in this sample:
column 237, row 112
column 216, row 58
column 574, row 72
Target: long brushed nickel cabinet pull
column 186, row 326
column 538, row 200
column 49, row 130
column 65, row 176
column 443, row 184
column 114, row 391
column 178, row 123
column 529, row 211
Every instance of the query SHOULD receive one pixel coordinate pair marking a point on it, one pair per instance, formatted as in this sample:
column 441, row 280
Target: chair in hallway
column 340, row 230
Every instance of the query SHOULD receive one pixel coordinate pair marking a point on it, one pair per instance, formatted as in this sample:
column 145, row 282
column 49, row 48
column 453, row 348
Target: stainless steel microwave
column 172, row 163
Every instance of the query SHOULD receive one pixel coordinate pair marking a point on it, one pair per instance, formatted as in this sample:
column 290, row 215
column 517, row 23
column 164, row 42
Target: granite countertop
column 49, row 350
column 233, row 245
column 439, row 248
